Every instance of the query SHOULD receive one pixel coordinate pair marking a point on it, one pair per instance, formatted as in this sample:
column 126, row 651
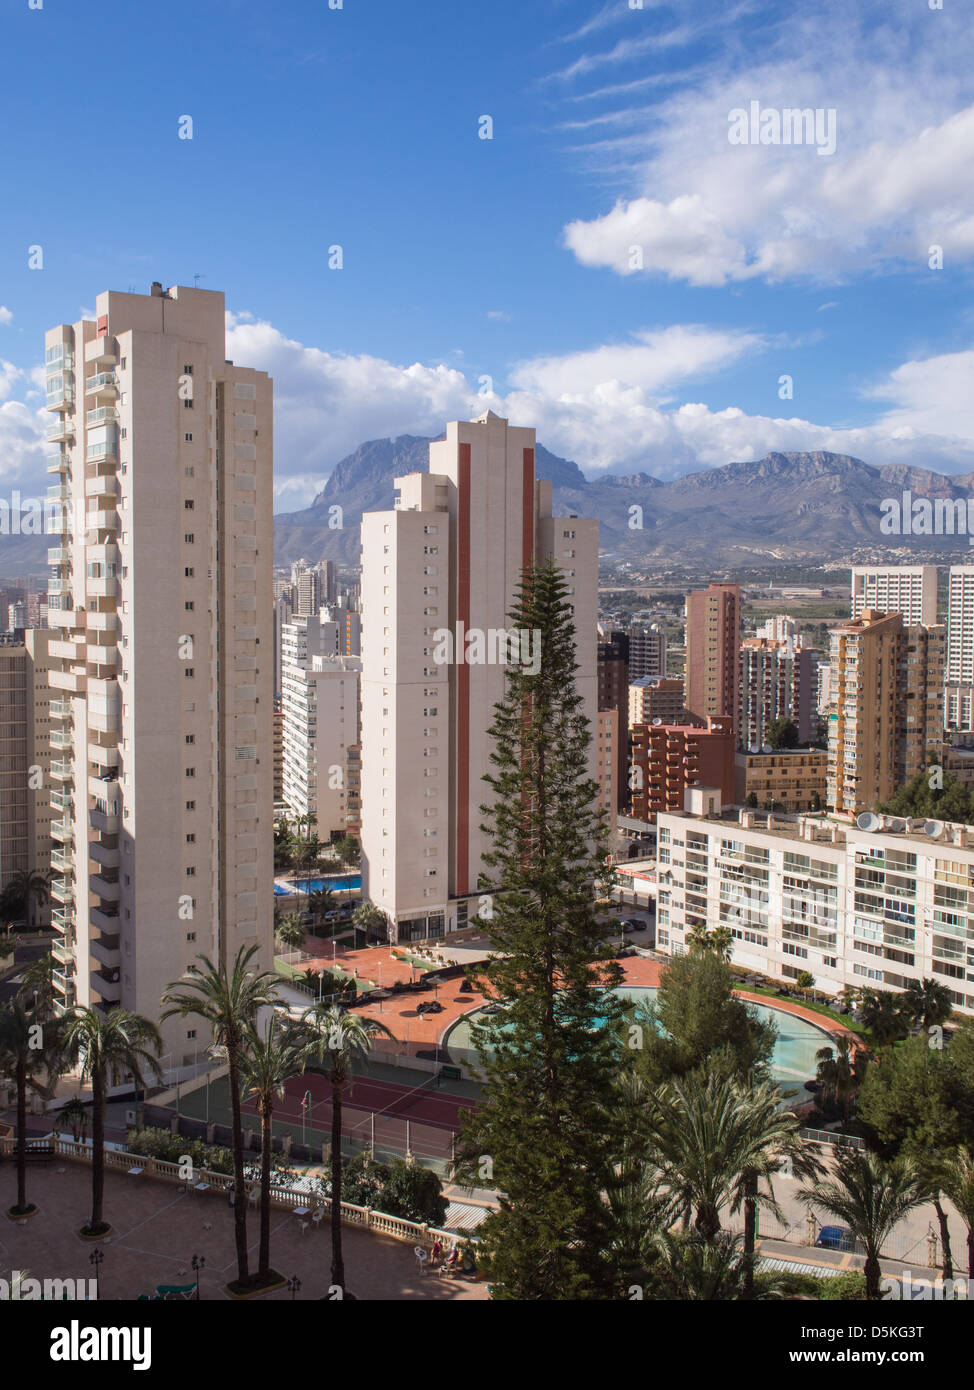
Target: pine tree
column 551, row 1057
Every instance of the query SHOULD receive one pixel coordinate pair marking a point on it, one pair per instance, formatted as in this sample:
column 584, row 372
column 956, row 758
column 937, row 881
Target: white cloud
column 656, row 362
column 327, row 404
column 711, row 213
column 5, row 315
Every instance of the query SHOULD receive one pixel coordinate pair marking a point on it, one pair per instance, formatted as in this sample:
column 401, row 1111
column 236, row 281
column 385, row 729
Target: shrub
column 849, row 1287
column 171, row 1148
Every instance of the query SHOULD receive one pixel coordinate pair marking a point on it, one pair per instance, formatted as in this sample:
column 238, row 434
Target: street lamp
column 95, row 1259
column 293, row 1285
column 198, row 1262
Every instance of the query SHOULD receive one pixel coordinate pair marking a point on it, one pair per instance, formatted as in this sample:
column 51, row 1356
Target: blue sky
column 509, row 258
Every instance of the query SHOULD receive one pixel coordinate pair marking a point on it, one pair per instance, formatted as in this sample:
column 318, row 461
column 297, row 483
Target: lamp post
column 198, row 1262
column 293, row 1285
column 95, row 1259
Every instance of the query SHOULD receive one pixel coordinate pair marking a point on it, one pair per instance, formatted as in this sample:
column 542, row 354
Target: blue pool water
column 313, row 885
column 792, row 1064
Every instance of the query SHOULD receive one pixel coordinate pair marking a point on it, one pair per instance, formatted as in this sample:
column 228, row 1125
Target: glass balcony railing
column 99, row 382
column 101, row 415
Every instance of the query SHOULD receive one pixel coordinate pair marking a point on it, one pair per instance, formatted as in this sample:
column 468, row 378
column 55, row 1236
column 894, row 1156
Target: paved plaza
column 157, row 1229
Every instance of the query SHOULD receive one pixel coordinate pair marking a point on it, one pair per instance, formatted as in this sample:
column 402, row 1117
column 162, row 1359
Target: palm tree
column 871, row 1196
column 267, row 1063
column 372, row 920
column 335, row 1043
column 74, row 1113
column 32, row 888
column 108, row 1047
column 883, row 1014
column 927, row 1002
column 36, row 986
column 840, row 1071
column 289, row 933
column 228, row 1003
column 30, row 1054
column 720, row 940
column 320, row 901
column 957, row 1183
column 691, row 1269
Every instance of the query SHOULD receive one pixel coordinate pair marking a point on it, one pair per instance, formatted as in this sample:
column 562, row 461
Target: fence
column 414, row 1232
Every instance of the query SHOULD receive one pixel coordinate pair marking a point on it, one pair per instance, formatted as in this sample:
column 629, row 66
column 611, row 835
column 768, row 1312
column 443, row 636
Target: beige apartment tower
column 886, row 710
column 449, row 559
column 713, row 625
column 162, row 653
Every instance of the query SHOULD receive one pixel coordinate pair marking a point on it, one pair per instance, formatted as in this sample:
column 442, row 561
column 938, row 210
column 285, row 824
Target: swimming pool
column 336, row 882
column 792, row 1064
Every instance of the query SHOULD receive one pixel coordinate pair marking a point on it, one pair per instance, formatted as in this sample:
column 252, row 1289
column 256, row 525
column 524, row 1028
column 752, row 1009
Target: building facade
column 669, row 758
column 162, row 661
column 793, row 779
column 25, row 759
column 910, row 590
column 439, row 575
column 854, row 908
column 713, row 621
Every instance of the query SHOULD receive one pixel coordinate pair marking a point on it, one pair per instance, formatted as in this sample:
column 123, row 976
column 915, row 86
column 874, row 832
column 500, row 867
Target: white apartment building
column 162, row 655
column 959, row 693
column 450, row 557
column 910, row 590
column 853, row 907
column 321, row 741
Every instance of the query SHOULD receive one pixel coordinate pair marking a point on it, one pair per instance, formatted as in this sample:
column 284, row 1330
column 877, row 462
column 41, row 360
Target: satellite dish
column 657, row 721
column 754, row 748
column 766, row 748
column 895, row 823
column 913, row 824
column 867, row 821
column 933, row 828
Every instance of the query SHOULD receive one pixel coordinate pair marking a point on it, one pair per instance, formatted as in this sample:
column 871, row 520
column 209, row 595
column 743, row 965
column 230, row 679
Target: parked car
column 836, row 1238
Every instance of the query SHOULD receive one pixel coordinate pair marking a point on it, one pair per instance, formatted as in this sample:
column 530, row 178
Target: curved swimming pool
column 792, row 1063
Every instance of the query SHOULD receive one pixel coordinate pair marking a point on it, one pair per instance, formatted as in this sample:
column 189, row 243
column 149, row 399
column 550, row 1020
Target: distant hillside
column 783, row 507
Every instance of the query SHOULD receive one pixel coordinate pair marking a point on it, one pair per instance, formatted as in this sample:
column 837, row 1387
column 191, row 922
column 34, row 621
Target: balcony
column 104, row 586
column 59, row 492
column 66, row 649
column 57, row 585
column 103, row 415
column 61, row 801
column 105, row 919
column 102, row 386
column 107, row 855
column 60, row 430
column 106, row 885
column 61, row 738
column 107, row 982
column 61, row 771
column 102, row 622
column 62, row 891
column 103, row 756
column 59, row 463
column 102, row 520
column 100, row 351
column 104, row 787
column 63, row 953
column 61, row 861
column 59, row 555
column 103, row 656
column 60, row 612
column 61, row 398
column 102, row 485
column 102, row 819
column 63, row 920
column 106, row 950
column 101, row 450
column 63, row 831
column 61, row 709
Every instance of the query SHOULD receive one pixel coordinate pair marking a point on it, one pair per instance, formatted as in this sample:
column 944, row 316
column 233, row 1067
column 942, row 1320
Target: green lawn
column 846, row 1020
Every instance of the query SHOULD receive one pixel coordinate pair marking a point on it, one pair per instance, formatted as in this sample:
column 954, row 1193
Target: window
column 189, row 504
column 191, row 872
column 190, row 738
column 187, row 371
column 191, row 1034
column 189, row 605
column 189, row 673
column 191, row 806
column 189, row 538
column 190, row 936
column 191, row 772
column 188, row 438
column 188, row 572
column 187, row 405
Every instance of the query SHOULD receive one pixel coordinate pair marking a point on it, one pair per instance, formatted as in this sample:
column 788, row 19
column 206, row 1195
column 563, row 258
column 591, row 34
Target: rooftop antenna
column 197, row 279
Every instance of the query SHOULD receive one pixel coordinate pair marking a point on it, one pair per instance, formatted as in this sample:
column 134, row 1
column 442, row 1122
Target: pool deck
column 400, row 1016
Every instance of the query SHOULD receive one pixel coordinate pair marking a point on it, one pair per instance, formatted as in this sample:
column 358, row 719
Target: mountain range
column 787, row 507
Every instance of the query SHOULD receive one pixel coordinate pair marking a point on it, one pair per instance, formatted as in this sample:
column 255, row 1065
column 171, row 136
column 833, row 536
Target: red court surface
column 426, row 1105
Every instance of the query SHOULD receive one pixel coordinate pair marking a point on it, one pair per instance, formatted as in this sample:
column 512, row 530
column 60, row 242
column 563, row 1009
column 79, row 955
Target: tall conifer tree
column 552, row 1055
